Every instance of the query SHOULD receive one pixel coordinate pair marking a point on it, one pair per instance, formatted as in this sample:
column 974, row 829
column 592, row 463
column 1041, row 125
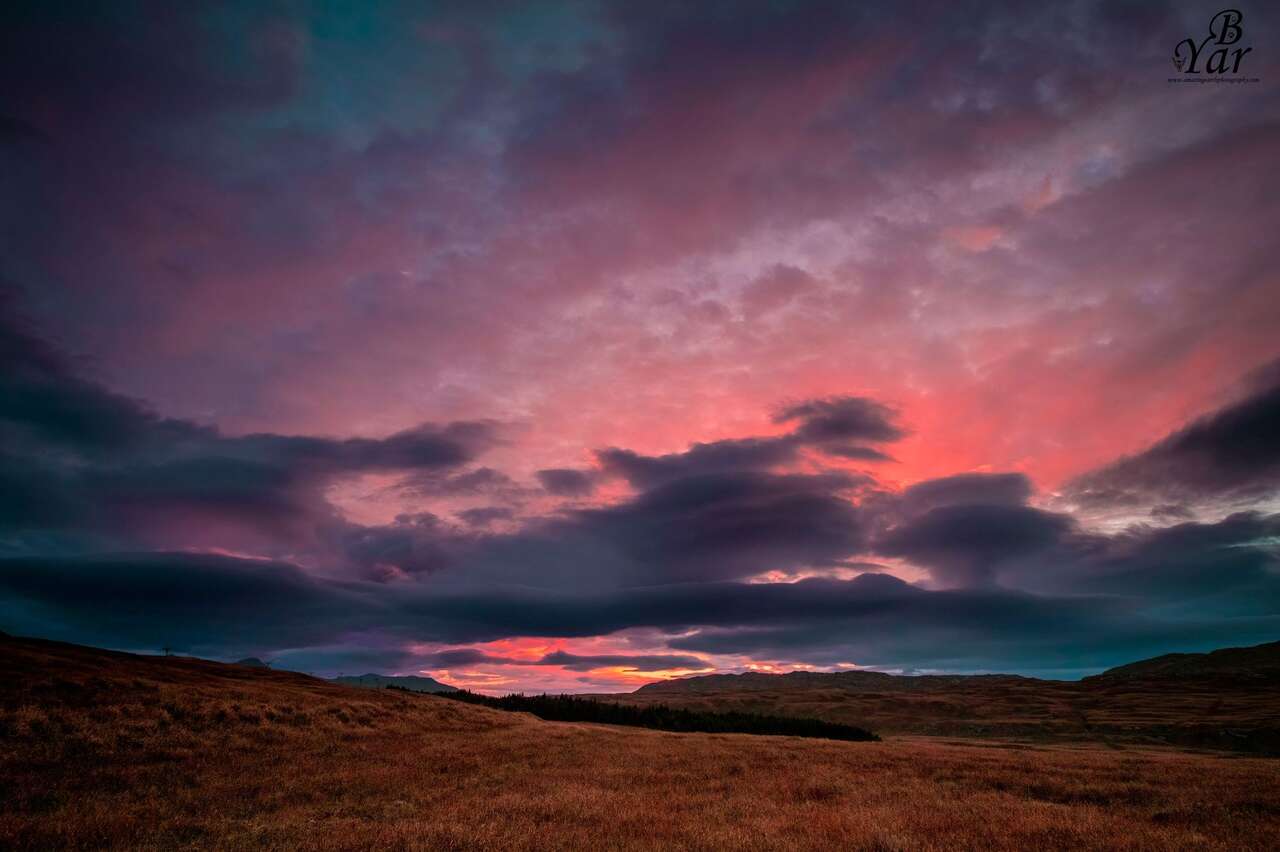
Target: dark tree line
column 569, row 708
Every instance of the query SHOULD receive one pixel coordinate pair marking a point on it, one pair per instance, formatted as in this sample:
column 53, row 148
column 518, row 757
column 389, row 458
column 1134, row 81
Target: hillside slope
column 850, row 681
column 413, row 683
column 1258, row 663
column 1228, row 699
column 106, row 750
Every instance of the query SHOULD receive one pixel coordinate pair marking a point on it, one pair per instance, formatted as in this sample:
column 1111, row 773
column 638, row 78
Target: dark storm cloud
column 417, row 543
column 1092, row 601
column 963, row 528
column 485, row 614
column 378, row 655
column 890, row 624
column 566, row 481
column 79, row 459
column 989, row 489
column 43, row 404
column 184, row 600
column 457, row 657
column 156, row 191
column 1097, row 600
column 138, row 601
column 728, row 525
column 1171, row 511
column 832, row 426
column 665, row 558
column 858, row 453
column 1054, row 637
column 1232, row 565
column 639, row 662
column 965, row 545
column 479, row 482
column 460, row 657
column 698, row 528
column 46, row 408
column 713, row 512
column 972, row 531
column 840, row 420
column 97, row 463
column 1232, row 454
column 483, row 516
column 700, row 459
column 503, row 494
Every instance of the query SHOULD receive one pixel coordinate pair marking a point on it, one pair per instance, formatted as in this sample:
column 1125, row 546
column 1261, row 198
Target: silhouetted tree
column 569, row 708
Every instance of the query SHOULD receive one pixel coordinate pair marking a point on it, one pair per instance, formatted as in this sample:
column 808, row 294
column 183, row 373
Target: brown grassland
column 111, row 750
column 1229, row 713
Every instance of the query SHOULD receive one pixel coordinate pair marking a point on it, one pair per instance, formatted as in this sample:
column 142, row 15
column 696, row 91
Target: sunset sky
column 568, row 346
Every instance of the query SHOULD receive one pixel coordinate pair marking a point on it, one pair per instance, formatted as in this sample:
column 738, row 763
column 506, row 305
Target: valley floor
column 106, row 750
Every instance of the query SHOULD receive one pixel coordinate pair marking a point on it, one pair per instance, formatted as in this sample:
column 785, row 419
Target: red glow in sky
column 616, row 343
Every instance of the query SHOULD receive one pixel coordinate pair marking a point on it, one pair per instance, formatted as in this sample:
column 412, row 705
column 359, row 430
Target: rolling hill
column 106, row 750
column 1256, row 664
column 1227, row 699
column 413, row 683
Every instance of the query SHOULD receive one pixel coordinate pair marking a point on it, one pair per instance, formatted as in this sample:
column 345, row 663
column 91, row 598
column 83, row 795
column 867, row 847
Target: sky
column 568, row 346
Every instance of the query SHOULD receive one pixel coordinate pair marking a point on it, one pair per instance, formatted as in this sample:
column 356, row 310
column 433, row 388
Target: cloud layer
column 719, row 555
column 613, row 335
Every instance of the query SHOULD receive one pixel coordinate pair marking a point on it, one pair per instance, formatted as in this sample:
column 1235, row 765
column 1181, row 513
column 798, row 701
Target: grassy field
column 107, row 750
column 1202, row 712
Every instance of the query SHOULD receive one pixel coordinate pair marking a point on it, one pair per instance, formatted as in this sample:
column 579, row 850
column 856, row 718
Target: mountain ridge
column 413, row 683
column 857, row 679
column 1226, row 700
column 1253, row 662
column 1249, row 662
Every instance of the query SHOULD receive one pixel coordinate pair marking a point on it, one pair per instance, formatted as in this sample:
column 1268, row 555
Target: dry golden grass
column 105, row 750
column 1205, row 712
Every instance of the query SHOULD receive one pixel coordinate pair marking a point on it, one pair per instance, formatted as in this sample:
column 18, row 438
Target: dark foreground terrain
column 99, row 749
column 1227, row 700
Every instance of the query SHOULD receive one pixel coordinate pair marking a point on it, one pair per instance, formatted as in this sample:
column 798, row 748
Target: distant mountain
column 1256, row 663
column 412, row 683
column 853, row 681
column 1224, row 700
column 759, row 681
column 1221, row 700
column 253, row 663
column 1259, row 662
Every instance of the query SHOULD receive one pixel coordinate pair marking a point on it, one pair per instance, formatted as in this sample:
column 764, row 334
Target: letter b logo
column 1225, row 27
